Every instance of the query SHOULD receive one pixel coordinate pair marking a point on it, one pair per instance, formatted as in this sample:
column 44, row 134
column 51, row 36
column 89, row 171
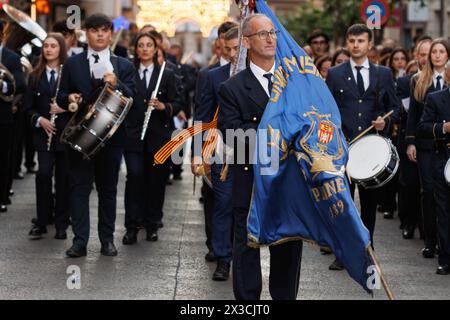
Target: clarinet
column 150, row 108
column 53, row 116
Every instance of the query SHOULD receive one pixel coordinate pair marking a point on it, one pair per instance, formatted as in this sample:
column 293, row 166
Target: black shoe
column 31, row 170
column 408, row 233
column 130, row 237
column 109, row 249
column 152, row 235
column 11, row 192
column 178, row 177
column 3, row 208
column 76, row 252
column 325, row 250
column 19, row 176
column 201, row 200
column 159, row 225
column 443, row 270
column 60, row 235
column 428, row 252
column 210, row 257
column 388, row 215
column 222, row 271
column 36, row 232
column 33, row 220
column 336, row 265
column 169, row 182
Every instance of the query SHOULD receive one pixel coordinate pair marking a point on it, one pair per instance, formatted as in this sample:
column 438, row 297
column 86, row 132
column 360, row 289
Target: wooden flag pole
column 382, row 278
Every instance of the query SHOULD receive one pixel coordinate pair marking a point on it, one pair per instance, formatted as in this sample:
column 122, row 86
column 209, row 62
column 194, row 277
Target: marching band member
column 42, row 88
column 12, row 62
column 420, row 149
column 363, row 93
column 146, row 183
column 435, row 124
column 70, row 37
column 78, row 80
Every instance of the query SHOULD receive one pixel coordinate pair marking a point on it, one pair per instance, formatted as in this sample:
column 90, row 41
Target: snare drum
column 447, row 172
column 95, row 123
column 372, row 161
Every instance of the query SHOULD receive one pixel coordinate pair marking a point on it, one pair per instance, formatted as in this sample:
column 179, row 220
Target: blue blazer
column 11, row 61
column 37, row 104
column 242, row 101
column 76, row 78
column 358, row 112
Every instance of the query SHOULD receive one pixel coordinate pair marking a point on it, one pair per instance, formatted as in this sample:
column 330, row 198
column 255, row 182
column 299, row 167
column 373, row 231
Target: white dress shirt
column 148, row 76
column 104, row 56
column 364, row 72
column 259, row 74
column 435, row 75
column 223, row 61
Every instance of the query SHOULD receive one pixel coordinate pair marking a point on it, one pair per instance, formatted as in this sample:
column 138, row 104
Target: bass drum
column 447, row 172
column 96, row 121
column 372, row 161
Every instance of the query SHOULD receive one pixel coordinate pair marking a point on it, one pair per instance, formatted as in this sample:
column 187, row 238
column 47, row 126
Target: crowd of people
column 367, row 81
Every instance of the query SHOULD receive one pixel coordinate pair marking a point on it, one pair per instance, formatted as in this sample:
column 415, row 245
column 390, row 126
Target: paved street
column 174, row 267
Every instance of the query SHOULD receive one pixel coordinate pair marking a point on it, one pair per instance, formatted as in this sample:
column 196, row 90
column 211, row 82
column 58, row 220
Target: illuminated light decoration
column 42, row 7
column 165, row 15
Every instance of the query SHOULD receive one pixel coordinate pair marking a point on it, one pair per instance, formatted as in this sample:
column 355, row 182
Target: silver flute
column 150, row 107
column 53, row 116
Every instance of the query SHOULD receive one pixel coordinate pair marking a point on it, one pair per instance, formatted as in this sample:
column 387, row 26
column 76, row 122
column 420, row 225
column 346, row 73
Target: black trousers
column 442, row 200
column 104, row 171
column 52, row 164
column 425, row 163
column 368, row 199
column 155, row 190
column 134, row 189
column 387, row 195
column 208, row 210
column 285, row 264
column 6, row 136
column 409, row 194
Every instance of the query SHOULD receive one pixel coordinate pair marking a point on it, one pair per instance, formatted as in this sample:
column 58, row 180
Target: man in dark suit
column 435, row 124
column 207, row 193
column 222, row 219
column 363, row 92
column 78, row 80
column 12, row 62
column 242, row 101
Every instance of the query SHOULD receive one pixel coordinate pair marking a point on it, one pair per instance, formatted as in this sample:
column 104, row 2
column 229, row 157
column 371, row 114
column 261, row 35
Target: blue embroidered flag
column 308, row 196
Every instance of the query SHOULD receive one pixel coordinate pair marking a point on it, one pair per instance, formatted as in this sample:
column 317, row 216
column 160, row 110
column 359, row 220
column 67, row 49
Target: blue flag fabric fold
column 306, row 196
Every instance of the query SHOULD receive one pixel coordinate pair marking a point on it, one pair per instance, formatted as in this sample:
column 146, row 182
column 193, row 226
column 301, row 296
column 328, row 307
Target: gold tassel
column 224, row 173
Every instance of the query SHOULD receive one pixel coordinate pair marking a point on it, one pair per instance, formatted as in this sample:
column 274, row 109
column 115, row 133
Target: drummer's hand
column 379, row 124
column 447, row 127
column 55, row 109
column 74, row 97
column 412, row 153
column 181, row 116
column 158, row 105
column 110, row 78
column 195, row 164
column 47, row 126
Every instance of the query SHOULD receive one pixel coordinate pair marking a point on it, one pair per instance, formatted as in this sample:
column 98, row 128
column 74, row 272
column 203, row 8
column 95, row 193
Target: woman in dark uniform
column 420, row 149
column 146, row 183
column 435, row 124
column 40, row 106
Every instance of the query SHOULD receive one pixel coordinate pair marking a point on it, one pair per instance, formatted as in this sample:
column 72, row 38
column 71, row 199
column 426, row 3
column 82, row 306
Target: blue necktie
column 360, row 80
column 144, row 78
column 268, row 76
column 52, row 79
column 438, row 83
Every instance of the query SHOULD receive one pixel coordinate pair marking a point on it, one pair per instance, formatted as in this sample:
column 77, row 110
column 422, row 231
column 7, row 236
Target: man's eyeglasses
column 264, row 35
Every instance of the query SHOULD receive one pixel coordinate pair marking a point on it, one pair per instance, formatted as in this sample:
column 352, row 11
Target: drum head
column 368, row 156
column 447, row 172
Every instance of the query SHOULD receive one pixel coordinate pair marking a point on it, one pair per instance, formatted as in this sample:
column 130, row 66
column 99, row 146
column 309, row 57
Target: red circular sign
column 383, row 6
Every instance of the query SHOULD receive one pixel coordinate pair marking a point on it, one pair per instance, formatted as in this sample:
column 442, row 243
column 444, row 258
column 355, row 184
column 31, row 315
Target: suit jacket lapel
column 153, row 80
column 372, row 79
column 256, row 91
column 86, row 77
column 349, row 79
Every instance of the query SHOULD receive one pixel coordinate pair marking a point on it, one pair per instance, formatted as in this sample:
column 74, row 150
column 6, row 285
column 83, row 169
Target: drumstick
column 371, row 127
